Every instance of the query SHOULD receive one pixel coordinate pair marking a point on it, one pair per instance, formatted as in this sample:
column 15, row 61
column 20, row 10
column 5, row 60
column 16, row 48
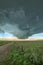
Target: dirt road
column 5, row 49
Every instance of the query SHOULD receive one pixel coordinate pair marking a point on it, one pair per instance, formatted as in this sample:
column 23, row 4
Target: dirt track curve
column 5, row 49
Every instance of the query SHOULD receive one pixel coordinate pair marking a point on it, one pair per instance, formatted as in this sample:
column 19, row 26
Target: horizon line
column 16, row 39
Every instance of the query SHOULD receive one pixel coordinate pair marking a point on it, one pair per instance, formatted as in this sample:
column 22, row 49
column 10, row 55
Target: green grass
column 25, row 53
column 4, row 42
column 30, row 44
column 25, row 44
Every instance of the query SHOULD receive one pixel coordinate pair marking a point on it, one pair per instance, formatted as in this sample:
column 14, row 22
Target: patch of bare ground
column 5, row 49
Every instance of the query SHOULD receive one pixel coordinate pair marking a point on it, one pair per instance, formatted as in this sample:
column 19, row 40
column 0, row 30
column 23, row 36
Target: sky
column 39, row 35
column 8, row 35
column 21, row 18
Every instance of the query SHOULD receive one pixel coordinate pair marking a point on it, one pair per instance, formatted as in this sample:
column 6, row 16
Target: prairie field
column 21, row 52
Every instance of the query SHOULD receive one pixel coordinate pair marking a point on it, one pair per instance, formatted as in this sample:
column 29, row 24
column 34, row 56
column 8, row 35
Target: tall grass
column 18, row 56
column 4, row 42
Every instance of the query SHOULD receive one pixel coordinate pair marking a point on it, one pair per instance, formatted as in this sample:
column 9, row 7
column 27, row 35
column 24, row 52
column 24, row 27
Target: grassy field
column 4, row 42
column 24, row 53
column 25, row 44
column 30, row 44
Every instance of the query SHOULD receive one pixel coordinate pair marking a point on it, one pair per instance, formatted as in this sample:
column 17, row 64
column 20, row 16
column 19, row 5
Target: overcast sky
column 21, row 18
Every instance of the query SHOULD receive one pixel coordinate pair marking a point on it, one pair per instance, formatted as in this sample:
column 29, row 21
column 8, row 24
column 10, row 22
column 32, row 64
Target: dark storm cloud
column 12, row 22
column 21, row 18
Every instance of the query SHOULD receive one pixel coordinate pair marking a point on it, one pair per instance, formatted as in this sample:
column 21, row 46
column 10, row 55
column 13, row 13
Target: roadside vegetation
column 25, row 53
column 4, row 42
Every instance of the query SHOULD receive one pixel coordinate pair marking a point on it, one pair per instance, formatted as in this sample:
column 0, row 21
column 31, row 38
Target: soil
column 5, row 49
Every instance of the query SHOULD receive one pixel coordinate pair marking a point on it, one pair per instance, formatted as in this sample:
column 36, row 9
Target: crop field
column 22, row 53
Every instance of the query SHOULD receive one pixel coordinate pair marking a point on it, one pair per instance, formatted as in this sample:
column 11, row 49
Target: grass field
column 24, row 53
column 25, row 44
column 4, row 42
column 30, row 44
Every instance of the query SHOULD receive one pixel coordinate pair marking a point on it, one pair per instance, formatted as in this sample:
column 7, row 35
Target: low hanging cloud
column 11, row 20
column 18, row 23
column 12, row 29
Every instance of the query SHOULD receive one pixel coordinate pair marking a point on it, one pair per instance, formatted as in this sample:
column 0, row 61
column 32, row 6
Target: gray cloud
column 19, row 22
column 10, row 21
column 13, row 29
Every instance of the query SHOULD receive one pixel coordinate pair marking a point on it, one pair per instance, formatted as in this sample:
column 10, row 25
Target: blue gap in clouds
column 5, row 35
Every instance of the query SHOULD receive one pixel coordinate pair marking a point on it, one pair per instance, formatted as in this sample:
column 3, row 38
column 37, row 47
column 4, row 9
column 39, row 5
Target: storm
column 21, row 18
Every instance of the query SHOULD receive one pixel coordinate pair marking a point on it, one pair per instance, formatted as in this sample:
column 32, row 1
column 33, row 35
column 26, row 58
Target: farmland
column 23, row 53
